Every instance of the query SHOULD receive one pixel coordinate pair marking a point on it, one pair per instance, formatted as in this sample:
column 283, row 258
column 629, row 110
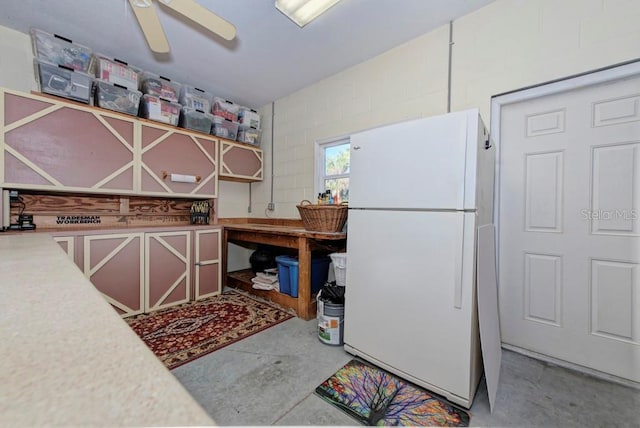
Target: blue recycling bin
column 288, row 274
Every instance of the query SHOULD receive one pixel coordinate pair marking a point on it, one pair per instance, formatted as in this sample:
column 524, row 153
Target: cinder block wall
column 507, row 45
column 512, row 44
column 504, row 46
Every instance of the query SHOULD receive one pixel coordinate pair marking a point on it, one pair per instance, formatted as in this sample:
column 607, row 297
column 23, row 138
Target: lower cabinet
column 114, row 265
column 68, row 245
column 146, row 271
column 208, row 245
column 167, row 265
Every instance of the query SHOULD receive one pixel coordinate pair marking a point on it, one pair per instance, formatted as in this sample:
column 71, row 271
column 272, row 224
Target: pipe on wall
column 450, row 66
column 273, row 126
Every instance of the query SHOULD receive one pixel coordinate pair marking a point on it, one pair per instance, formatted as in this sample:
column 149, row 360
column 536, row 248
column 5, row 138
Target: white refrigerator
column 418, row 192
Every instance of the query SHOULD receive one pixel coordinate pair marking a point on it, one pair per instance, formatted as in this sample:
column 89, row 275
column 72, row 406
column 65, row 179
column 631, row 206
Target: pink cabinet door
column 54, row 145
column 207, row 271
column 167, row 269
column 239, row 162
column 113, row 264
column 177, row 163
column 68, row 244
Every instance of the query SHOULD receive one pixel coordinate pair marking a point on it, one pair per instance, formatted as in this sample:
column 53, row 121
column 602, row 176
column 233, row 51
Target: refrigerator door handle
column 457, row 286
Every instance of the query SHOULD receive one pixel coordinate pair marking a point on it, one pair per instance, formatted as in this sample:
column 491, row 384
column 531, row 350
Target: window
column 333, row 168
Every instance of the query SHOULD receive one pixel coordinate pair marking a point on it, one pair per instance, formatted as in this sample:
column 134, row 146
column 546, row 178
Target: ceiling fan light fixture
column 304, row 11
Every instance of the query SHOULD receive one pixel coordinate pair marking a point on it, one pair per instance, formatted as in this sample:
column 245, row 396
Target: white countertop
column 67, row 358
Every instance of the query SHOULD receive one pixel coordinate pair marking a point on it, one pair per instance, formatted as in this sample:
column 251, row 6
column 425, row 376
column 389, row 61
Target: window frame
column 320, row 163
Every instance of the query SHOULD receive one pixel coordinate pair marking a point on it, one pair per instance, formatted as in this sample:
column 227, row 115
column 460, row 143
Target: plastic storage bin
column 117, row 98
column 225, row 108
column 224, row 128
column 288, row 274
column 60, row 50
column 159, row 86
column 249, row 135
column 196, row 120
column 339, row 267
column 63, row 81
column 116, row 71
column 195, row 98
column 249, row 117
column 159, row 110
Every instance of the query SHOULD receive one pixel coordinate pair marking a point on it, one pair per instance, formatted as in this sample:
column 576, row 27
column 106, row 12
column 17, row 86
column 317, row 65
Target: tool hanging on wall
column 200, row 212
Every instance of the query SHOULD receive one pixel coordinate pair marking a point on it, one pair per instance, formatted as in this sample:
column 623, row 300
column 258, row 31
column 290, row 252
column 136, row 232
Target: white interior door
column 570, row 228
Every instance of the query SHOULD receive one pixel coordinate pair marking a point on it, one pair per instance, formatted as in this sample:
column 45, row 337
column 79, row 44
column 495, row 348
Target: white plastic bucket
column 339, row 261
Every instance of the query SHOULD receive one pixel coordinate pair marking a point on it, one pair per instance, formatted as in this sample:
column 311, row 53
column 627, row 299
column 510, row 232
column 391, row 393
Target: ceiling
column 270, row 58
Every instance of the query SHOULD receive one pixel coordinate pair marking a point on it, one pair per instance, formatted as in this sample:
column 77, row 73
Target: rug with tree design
column 375, row 397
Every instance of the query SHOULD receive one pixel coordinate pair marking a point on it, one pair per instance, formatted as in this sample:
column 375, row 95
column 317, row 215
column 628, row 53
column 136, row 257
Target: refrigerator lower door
column 409, row 296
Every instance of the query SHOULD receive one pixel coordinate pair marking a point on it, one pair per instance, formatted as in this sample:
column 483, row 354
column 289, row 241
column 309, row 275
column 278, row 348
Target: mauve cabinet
column 140, row 272
column 114, row 263
column 53, row 145
column 56, row 145
column 68, row 244
column 167, row 269
column 207, row 272
column 240, row 162
column 168, row 151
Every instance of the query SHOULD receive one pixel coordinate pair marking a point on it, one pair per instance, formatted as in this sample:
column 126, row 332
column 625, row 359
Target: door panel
column 394, row 310
column 166, row 152
column 54, row 146
column 207, row 263
column 168, row 269
column 68, row 245
column 113, row 264
column 238, row 161
column 570, row 226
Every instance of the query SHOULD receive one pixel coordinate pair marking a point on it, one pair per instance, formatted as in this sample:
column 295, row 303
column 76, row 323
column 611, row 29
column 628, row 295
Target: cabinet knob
column 356, row 147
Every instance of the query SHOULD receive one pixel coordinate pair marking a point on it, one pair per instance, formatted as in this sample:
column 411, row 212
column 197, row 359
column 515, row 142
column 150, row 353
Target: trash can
column 330, row 314
column 339, row 261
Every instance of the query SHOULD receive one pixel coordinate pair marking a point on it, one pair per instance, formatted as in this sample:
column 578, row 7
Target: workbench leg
column 305, row 306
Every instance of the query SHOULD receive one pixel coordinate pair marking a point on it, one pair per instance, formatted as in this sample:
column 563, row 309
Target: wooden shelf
column 241, row 279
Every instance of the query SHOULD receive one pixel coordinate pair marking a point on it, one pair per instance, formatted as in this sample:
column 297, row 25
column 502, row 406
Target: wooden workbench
column 287, row 235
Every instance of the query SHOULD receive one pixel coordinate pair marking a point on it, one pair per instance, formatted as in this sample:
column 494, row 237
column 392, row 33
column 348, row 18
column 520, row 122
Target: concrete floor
column 270, row 378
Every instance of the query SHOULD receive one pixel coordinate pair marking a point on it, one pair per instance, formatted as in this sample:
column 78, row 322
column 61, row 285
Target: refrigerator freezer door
column 418, row 164
column 409, row 295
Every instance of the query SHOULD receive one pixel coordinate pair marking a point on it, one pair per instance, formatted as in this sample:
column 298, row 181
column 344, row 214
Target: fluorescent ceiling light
column 304, row 11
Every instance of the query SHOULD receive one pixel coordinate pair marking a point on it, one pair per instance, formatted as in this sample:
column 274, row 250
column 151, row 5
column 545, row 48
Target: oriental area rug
column 182, row 333
column 375, row 397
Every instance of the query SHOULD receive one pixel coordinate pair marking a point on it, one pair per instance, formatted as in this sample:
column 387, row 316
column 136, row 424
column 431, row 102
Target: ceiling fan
column 152, row 29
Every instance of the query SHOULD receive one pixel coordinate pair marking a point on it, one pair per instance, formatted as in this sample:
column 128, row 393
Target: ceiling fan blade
column 150, row 24
column 200, row 15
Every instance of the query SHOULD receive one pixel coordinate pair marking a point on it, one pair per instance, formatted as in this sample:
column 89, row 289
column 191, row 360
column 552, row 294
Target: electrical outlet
column 271, row 206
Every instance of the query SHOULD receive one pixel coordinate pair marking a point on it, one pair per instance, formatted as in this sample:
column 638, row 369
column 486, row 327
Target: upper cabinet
column 56, row 145
column 52, row 145
column 177, row 162
column 240, row 162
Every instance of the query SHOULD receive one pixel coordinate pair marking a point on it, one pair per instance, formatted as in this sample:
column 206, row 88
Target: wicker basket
column 322, row 218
